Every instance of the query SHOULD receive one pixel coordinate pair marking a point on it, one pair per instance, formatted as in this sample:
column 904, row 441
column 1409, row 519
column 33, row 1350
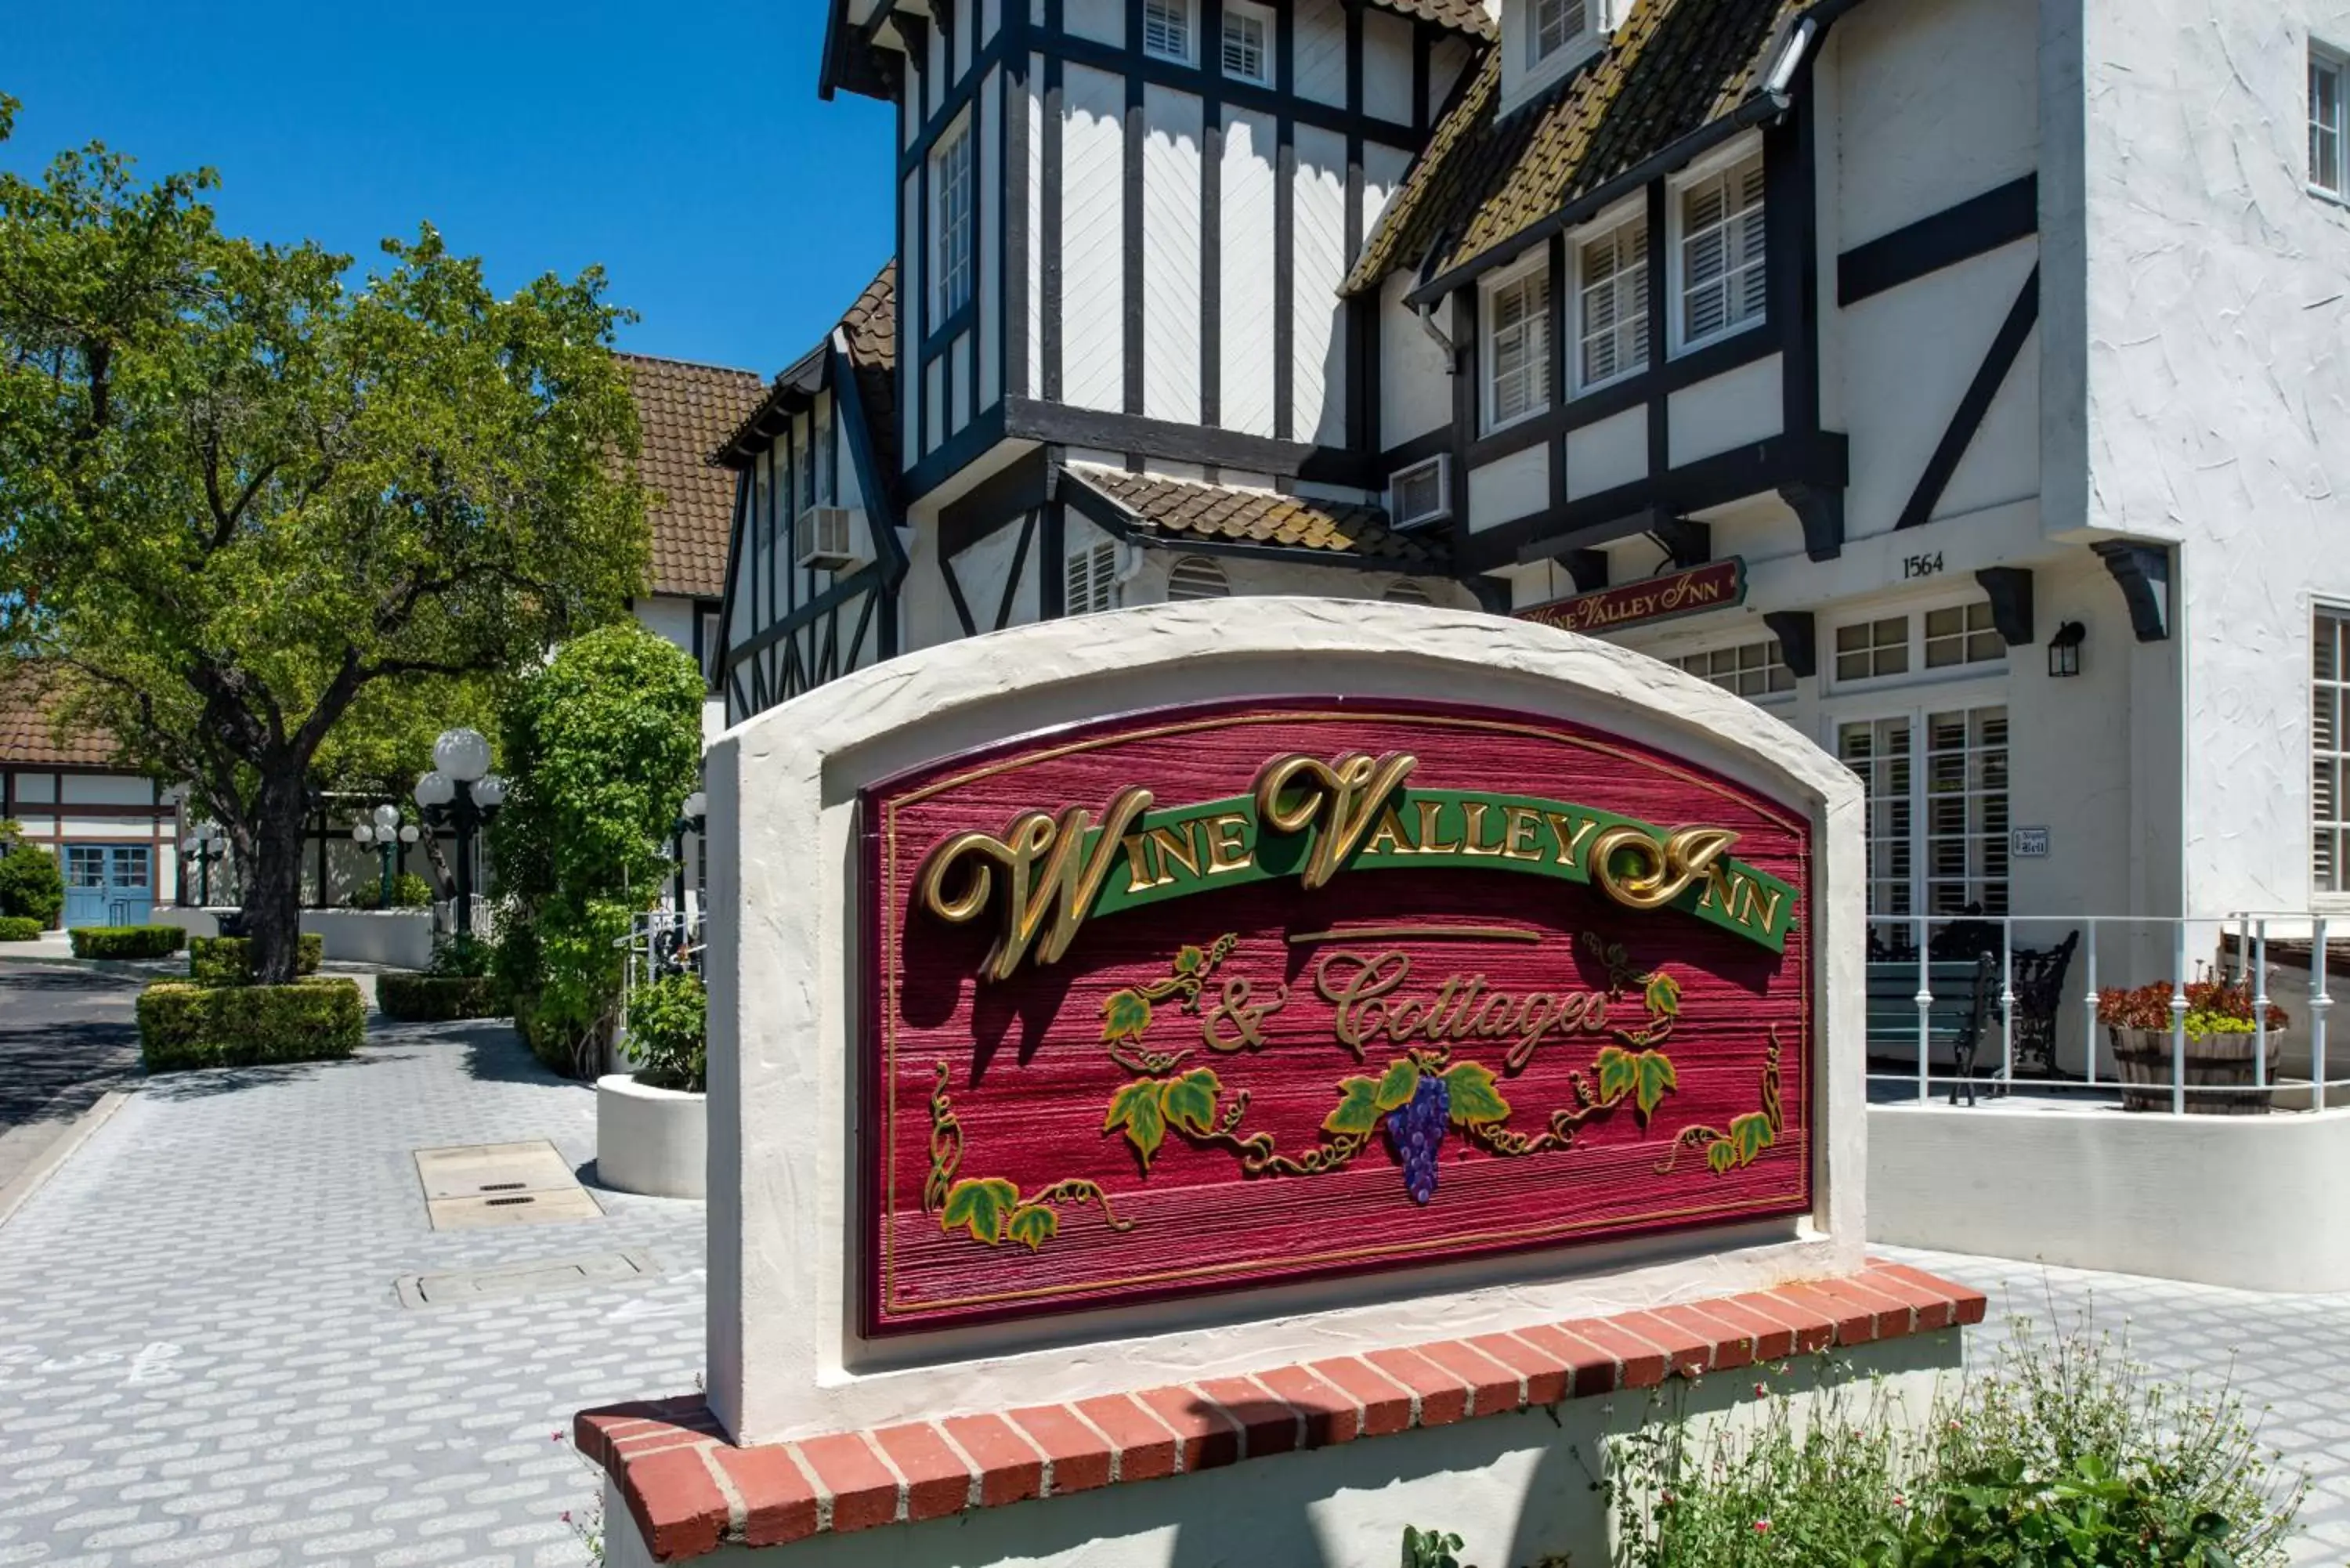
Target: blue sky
column 677, row 142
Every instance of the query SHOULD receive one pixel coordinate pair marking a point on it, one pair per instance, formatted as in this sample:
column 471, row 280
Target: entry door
column 108, row 884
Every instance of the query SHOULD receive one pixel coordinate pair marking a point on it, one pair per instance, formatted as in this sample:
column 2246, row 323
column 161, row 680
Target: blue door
column 108, row 884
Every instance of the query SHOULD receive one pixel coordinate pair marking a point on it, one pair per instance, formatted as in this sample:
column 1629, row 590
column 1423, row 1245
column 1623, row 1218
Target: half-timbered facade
column 111, row 830
column 1916, row 368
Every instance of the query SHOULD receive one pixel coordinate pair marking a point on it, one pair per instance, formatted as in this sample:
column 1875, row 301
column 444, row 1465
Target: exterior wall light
column 2065, row 649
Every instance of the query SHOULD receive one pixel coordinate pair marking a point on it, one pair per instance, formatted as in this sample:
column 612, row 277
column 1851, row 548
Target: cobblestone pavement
column 203, row 1360
column 2284, row 1353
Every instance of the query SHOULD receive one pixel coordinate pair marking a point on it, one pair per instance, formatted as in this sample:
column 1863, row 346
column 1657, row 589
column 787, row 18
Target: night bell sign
column 1219, row 997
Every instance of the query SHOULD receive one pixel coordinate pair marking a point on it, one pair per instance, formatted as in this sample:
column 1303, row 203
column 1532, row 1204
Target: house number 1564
column 1920, row 565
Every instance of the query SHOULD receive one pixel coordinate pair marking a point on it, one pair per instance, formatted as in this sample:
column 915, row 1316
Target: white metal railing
column 2131, row 951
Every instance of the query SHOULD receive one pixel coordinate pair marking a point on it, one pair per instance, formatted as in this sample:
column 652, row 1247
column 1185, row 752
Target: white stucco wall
column 785, row 1026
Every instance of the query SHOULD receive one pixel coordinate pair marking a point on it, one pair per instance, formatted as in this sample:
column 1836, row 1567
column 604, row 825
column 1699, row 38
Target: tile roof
column 29, row 708
column 1465, row 16
column 870, row 326
column 1673, row 68
column 685, row 411
column 1182, row 508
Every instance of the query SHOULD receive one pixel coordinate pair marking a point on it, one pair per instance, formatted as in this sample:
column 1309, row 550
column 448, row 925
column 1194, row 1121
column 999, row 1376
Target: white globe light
column 435, row 788
column 387, row 817
column 491, row 792
column 408, row 835
column 361, row 833
column 463, row 755
column 697, row 803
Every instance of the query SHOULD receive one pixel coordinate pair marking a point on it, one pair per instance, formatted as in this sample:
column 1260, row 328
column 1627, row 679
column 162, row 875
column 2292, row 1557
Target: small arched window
column 1197, row 578
column 1407, row 592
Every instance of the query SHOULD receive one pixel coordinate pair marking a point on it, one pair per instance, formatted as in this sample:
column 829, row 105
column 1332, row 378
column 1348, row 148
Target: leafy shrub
column 184, row 1025
column 126, row 942
column 2211, row 1009
column 409, row 891
column 602, row 746
column 2064, row 1455
column 667, row 1024
column 19, row 929
column 31, row 885
column 462, row 956
column 227, row 961
column 435, row 999
column 1430, row 1549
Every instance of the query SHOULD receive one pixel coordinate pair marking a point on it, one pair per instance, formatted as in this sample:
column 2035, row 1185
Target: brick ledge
column 691, row 1491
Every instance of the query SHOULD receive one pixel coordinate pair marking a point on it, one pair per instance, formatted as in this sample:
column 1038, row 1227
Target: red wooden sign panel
column 1219, row 997
column 1717, row 585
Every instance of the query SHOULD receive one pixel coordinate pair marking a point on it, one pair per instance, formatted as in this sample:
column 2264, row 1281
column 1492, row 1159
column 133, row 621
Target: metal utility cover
column 513, row 1209
column 522, row 1279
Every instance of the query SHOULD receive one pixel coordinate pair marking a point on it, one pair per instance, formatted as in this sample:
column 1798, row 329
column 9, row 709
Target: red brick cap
column 691, row 1491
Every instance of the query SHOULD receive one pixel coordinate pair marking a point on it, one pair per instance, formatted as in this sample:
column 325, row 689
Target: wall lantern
column 2065, row 649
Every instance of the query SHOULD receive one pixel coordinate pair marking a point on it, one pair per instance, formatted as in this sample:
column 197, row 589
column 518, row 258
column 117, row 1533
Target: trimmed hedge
column 126, row 942
column 181, row 1024
column 411, row 998
column 227, row 961
column 20, row 929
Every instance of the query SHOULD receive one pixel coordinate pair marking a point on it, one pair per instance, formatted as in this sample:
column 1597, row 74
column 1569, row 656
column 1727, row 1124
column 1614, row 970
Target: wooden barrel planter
column 2214, row 1062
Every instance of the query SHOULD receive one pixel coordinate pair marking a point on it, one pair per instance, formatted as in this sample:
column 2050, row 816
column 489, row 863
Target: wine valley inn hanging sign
column 1227, row 996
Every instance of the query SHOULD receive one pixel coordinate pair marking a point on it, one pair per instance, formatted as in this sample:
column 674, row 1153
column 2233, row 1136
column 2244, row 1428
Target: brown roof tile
column 30, row 704
column 1673, row 68
column 1181, row 508
column 685, row 411
column 870, row 327
column 1465, row 16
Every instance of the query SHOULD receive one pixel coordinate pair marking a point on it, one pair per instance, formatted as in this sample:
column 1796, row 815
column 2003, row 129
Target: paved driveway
column 66, row 1036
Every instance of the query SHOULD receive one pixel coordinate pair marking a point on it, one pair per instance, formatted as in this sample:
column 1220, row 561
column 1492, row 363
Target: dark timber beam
column 2143, row 573
column 1998, row 361
column 2010, row 589
column 1798, row 635
column 1976, row 226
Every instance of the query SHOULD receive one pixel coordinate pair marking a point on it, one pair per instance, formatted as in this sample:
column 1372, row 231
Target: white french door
column 1936, row 779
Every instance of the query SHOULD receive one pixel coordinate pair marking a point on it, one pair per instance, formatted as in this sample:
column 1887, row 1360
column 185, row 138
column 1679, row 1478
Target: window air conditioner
column 1421, row 493
column 827, row 539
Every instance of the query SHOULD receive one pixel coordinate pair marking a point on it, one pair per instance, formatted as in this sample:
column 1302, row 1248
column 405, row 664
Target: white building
column 1993, row 339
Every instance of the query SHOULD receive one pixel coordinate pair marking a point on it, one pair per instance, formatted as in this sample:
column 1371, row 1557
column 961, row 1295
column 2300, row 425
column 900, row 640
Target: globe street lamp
column 207, row 843
column 387, row 834
column 461, row 790
column 697, row 807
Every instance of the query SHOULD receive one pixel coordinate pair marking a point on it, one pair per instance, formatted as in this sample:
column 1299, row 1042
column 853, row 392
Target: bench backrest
column 1961, row 991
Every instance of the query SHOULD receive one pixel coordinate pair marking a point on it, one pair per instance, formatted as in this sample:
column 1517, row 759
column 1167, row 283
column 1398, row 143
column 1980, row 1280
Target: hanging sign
column 1717, row 585
column 1230, row 996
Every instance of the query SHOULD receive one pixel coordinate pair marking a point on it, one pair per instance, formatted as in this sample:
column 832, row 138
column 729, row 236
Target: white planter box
column 650, row 1140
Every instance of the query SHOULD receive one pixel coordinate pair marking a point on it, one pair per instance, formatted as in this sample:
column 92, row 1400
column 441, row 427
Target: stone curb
column 690, row 1490
column 45, row 1164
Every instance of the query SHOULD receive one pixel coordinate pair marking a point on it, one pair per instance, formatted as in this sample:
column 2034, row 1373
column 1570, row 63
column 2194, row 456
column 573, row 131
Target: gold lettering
column 1138, row 864
column 1053, row 880
column 1658, row 873
column 1522, row 827
column 1388, row 837
column 1492, row 1017
column 1472, row 831
column 1340, row 801
column 1430, row 842
column 1348, row 981
column 1228, row 848
column 1570, row 838
column 1737, row 895
column 1177, row 847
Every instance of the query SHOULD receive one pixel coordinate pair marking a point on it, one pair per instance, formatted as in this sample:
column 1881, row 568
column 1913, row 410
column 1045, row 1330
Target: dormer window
column 1556, row 25
column 1167, row 30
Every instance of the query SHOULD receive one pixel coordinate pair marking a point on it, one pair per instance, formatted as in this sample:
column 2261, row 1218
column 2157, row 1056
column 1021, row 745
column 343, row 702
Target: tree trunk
column 272, row 887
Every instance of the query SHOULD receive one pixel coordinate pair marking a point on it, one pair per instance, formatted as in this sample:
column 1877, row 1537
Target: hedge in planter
column 226, row 960
column 411, row 998
column 19, row 929
column 181, row 1024
column 126, row 942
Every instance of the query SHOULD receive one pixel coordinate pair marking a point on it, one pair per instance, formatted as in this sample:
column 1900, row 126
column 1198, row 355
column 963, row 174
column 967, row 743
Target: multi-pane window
column 1517, row 344
column 1962, row 634
column 1167, row 29
column 950, row 204
column 808, row 471
column 2326, row 122
column 1936, row 788
column 1614, row 327
column 1090, row 580
column 1248, row 42
column 85, row 866
column 1556, row 23
column 1723, row 275
column 2329, row 753
column 1754, row 670
column 132, row 868
column 1873, row 648
column 1197, row 578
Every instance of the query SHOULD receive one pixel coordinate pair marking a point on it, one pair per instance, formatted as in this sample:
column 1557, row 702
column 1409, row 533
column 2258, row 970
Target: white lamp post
column 462, row 790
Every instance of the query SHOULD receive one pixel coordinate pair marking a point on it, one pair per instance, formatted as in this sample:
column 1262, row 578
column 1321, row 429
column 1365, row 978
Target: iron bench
column 1963, row 1002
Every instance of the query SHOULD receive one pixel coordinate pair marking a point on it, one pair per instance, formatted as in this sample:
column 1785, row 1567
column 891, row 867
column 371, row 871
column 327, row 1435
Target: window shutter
column 1197, row 578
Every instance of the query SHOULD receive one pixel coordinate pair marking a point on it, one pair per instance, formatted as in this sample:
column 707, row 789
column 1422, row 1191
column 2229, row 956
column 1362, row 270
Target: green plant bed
column 31, row 885
column 228, row 961
column 126, row 942
column 184, row 1025
column 411, row 998
column 19, row 929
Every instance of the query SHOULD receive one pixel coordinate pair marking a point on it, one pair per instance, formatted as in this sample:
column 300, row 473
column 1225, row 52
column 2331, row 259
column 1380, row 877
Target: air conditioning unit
column 1421, row 493
column 827, row 539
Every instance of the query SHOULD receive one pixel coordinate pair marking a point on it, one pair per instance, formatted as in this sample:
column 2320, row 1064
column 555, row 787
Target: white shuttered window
column 2326, row 122
column 1167, row 29
column 1248, row 43
column 1091, row 580
column 1517, row 349
column 950, row 221
column 1557, row 23
column 2329, row 753
column 1614, row 301
column 1722, row 276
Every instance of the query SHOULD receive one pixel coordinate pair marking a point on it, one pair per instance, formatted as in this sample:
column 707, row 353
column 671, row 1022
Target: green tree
column 239, row 499
column 30, row 885
column 601, row 747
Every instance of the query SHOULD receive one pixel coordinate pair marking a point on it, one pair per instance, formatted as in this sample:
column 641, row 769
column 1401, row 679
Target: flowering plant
column 2211, row 1008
